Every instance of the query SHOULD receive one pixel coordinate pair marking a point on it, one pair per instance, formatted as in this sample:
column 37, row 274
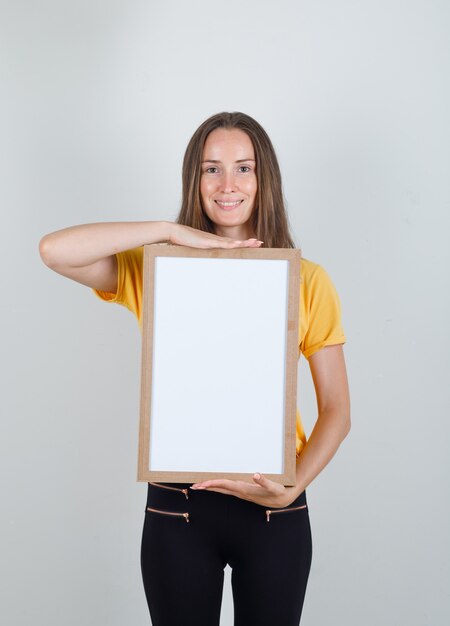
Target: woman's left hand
column 264, row 491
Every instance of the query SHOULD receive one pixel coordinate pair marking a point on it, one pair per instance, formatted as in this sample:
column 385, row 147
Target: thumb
column 266, row 483
column 259, row 478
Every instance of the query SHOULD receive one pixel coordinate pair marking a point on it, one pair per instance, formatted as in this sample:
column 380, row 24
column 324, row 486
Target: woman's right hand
column 182, row 235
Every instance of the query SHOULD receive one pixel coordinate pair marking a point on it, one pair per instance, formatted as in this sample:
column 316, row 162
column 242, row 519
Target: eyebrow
column 239, row 161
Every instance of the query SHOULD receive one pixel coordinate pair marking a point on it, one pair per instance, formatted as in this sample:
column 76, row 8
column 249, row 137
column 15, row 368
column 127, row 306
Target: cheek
column 252, row 188
column 205, row 189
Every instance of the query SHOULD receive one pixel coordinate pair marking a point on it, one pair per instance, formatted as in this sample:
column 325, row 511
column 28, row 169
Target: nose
column 228, row 182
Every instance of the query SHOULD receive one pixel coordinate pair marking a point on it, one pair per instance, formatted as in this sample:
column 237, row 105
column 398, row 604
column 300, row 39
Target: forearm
column 84, row 244
column 330, row 430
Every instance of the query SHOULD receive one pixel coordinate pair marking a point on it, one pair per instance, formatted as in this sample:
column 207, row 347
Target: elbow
column 347, row 424
column 45, row 250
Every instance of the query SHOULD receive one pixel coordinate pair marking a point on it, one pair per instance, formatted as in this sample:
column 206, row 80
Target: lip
column 228, row 205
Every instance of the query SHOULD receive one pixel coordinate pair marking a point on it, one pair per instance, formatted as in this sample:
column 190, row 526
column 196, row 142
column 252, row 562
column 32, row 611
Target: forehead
column 228, row 141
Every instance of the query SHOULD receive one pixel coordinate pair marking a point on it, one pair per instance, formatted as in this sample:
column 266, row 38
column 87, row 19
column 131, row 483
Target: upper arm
column 102, row 274
column 329, row 375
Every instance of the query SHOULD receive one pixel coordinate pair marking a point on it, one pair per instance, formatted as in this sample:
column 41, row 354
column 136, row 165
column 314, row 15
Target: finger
column 256, row 499
column 228, row 483
column 238, row 494
column 252, row 242
column 233, row 491
column 269, row 485
column 228, row 492
column 240, row 489
column 246, row 243
column 224, row 483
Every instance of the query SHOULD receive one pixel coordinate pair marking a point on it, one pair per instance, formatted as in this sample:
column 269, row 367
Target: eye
column 244, row 167
column 208, row 170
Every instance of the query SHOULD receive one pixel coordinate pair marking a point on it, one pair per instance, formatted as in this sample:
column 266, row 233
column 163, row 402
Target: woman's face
column 228, row 182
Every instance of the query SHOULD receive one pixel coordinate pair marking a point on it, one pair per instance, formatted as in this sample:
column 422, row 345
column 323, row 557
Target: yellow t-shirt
column 320, row 308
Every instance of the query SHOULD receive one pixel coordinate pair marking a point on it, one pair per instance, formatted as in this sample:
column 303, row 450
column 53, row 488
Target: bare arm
column 86, row 252
column 333, row 423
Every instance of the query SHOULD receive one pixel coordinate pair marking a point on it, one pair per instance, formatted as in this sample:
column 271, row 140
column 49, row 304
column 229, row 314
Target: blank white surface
column 207, row 312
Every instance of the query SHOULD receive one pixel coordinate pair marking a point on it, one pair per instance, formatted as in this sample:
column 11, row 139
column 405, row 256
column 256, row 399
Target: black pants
column 183, row 557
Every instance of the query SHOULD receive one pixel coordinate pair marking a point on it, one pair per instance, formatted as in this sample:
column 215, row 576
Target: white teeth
column 228, row 203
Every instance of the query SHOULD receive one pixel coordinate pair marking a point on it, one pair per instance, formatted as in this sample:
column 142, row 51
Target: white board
column 216, row 347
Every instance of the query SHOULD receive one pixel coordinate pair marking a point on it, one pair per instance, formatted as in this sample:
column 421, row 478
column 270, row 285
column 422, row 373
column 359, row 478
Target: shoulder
column 136, row 254
column 316, row 284
column 308, row 267
column 312, row 273
column 130, row 263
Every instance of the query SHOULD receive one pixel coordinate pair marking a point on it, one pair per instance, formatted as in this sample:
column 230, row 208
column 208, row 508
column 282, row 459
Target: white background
column 98, row 100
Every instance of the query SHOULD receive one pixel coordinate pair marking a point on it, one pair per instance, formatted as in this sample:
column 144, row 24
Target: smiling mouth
column 227, row 206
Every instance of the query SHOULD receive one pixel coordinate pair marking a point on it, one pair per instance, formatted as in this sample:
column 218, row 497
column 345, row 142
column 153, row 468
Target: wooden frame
column 219, row 364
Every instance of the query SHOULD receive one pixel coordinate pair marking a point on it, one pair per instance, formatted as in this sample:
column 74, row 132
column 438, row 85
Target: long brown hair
column 269, row 218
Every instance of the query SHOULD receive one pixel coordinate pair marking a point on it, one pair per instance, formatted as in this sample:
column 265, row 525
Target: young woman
column 232, row 197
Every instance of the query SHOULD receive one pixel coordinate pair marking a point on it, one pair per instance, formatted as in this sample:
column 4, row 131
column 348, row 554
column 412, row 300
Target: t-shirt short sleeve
column 322, row 312
column 129, row 282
